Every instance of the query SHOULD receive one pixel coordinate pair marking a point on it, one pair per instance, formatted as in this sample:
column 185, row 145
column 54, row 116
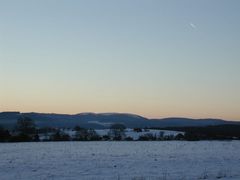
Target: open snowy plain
column 176, row 160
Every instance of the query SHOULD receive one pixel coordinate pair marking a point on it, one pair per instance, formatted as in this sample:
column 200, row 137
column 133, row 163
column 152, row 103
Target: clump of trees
column 25, row 130
column 26, row 125
column 83, row 134
column 137, row 130
column 117, row 132
column 5, row 136
column 218, row 132
column 147, row 137
column 60, row 136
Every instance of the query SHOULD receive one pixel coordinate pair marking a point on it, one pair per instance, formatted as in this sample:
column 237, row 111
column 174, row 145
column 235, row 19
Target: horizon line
column 134, row 114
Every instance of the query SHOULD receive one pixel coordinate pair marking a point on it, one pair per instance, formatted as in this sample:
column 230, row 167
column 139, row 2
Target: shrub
column 60, row 136
column 4, row 135
column 117, row 132
column 128, row 138
column 147, row 137
column 137, row 130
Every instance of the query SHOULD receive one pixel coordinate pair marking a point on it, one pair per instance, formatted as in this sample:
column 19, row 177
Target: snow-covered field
column 177, row 160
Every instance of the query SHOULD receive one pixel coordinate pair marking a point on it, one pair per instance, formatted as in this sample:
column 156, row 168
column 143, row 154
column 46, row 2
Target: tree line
column 27, row 131
column 216, row 132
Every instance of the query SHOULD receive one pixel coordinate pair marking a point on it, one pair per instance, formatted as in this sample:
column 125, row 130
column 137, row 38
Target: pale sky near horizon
column 154, row 58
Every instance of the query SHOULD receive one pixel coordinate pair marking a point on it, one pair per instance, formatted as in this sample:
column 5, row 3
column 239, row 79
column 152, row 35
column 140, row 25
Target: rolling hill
column 104, row 120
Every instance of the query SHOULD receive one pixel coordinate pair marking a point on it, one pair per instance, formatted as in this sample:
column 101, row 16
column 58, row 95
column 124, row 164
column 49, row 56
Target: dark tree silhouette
column 81, row 134
column 60, row 136
column 4, row 135
column 26, row 130
column 26, row 125
column 92, row 135
column 117, row 132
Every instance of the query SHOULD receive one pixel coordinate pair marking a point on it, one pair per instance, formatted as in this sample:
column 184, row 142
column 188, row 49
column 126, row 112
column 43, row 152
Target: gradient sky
column 150, row 57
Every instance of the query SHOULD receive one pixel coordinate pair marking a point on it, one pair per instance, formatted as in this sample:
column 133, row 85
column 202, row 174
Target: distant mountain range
column 104, row 120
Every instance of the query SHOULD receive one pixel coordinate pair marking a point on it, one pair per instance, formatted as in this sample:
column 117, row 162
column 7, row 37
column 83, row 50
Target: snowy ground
column 176, row 160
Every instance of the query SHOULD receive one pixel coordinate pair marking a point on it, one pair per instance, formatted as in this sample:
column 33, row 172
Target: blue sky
column 153, row 58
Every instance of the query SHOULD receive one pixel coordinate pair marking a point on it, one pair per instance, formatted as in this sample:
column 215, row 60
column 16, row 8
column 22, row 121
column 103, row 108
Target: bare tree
column 117, row 131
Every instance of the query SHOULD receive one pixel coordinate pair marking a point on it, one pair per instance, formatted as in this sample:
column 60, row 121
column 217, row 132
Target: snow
column 166, row 160
column 136, row 135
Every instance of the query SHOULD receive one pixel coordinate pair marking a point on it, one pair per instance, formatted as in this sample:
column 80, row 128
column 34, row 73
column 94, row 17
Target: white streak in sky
column 193, row 25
